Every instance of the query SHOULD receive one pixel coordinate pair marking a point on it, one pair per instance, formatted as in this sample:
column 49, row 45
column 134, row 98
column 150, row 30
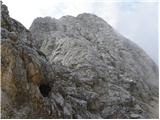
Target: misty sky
column 135, row 19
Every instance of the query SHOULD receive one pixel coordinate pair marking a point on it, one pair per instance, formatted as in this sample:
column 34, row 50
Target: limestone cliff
column 74, row 67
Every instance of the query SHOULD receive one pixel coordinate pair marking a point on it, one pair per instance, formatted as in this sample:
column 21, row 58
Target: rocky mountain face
column 74, row 67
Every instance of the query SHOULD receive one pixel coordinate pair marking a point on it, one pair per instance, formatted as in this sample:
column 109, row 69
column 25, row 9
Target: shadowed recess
column 45, row 89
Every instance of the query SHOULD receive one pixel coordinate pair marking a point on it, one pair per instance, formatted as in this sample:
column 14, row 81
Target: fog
column 136, row 20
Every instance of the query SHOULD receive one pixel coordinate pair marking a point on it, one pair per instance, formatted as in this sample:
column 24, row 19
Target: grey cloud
column 141, row 25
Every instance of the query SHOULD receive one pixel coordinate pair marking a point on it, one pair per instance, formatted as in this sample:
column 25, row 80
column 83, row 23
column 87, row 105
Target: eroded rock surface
column 74, row 67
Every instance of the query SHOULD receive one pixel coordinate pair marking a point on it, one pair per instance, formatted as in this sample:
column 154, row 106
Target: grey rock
column 78, row 104
column 138, row 108
column 100, row 58
column 24, row 72
column 135, row 116
column 14, row 26
column 58, row 99
column 74, row 67
column 67, row 109
column 13, row 36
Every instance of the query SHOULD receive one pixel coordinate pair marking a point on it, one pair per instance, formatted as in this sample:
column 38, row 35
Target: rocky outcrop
column 24, row 72
column 112, row 66
column 74, row 67
column 12, row 25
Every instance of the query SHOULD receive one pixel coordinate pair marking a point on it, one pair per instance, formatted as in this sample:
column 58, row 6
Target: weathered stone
column 99, row 58
column 138, row 108
column 74, row 67
column 58, row 99
column 67, row 111
column 135, row 116
column 13, row 36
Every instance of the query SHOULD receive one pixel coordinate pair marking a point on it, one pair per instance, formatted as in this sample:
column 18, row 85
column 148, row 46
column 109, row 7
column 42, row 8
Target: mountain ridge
column 74, row 67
